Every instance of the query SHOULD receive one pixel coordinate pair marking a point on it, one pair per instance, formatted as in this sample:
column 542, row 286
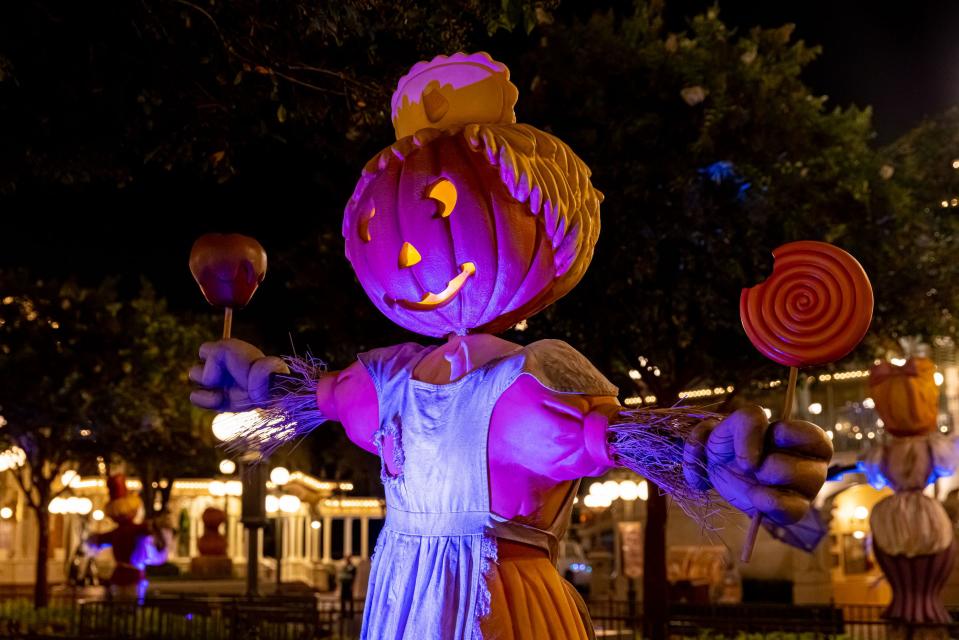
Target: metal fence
column 614, row 620
column 307, row 618
column 207, row 618
column 182, row 618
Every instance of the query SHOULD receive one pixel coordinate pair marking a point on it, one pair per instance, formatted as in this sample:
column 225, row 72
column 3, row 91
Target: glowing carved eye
column 364, row 222
column 444, row 192
column 408, row 255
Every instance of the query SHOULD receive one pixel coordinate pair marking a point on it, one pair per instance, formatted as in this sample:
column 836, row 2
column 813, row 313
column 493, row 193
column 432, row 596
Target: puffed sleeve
column 945, row 455
column 354, row 395
column 350, row 397
column 871, row 464
column 551, row 419
column 910, row 463
column 362, row 388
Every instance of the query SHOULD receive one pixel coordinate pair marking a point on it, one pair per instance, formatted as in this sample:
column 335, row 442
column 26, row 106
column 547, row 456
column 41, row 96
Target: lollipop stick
column 790, row 394
column 758, row 518
column 227, row 322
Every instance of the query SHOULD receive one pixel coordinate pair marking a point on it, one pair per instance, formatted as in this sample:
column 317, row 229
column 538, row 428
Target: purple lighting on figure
column 456, row 72
column 939, row 472
column 878, row 481
column 873, row 475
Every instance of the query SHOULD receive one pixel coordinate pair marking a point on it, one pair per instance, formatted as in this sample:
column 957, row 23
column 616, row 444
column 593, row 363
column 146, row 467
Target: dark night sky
column 900, row 58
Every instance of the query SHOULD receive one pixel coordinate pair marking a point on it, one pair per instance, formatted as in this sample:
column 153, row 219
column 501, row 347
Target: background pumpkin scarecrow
column 913, row 535
column 135, row 544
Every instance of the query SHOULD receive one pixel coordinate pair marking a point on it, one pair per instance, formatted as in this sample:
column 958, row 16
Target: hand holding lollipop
column 814, row 309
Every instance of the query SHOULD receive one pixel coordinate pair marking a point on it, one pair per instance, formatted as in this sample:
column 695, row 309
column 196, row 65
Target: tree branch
column 308, row 85
column 209, row 17
column 334, row 74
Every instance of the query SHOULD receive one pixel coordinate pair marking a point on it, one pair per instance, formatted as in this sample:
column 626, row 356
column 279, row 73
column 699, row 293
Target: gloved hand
column 773, row 468
column 235, row 376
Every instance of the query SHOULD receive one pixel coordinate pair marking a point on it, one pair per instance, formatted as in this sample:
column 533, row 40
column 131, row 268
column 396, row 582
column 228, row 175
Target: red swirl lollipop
column 815, row 308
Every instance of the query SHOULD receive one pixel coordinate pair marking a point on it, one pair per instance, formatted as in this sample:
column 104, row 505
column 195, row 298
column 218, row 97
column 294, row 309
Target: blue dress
column 427, row 575
column 427, row 578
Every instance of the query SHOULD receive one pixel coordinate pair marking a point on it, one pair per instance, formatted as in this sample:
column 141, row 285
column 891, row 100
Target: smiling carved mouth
column 432, row 301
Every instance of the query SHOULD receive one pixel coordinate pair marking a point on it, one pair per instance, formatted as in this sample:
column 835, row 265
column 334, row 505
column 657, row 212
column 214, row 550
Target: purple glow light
column 456, row 71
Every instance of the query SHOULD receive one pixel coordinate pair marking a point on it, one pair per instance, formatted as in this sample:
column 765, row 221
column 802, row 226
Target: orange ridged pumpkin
column 906, row 397
column 469, row 222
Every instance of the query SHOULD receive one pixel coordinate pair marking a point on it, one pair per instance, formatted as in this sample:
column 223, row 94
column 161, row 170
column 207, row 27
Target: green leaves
column 80, row 356
column 523, row 14
column 649, row 111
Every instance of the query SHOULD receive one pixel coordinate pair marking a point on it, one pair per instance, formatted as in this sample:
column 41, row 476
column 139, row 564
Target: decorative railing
column 615, row 620
column 303, row 617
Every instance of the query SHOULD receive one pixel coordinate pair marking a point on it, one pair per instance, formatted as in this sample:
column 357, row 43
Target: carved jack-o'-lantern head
column 906, row 397
column 468, row 222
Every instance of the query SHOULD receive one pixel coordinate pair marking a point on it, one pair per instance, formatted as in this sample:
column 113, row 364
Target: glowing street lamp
column 227, row 426
column 289, row 503
column 280, row 476
column 285, row 504
column 69, row 477
column 71, row 506
column 12, row 458
column 602, row 494
column 272, row 504
column 628, row 490
column 611, row 489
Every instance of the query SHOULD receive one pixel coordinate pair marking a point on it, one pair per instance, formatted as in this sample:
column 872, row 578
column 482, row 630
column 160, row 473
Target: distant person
column 583, row 588
column 83, row 569
column 346, row 577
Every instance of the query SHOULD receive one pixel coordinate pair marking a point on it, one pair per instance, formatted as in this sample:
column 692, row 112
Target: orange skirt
column 529, row 600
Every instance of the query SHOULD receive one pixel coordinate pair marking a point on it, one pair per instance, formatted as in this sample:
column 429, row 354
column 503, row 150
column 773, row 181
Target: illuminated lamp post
column 601, row 496
column 280, row 505
column 279, row 476
column 253, row 507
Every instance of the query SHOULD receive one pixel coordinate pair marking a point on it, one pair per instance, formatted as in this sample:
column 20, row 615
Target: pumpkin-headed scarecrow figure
column 135, row 544
column 912, row 533
column 466, row 225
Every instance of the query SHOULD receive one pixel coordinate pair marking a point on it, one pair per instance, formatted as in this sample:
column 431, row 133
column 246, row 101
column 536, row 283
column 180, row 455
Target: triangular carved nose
column 409, row 255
